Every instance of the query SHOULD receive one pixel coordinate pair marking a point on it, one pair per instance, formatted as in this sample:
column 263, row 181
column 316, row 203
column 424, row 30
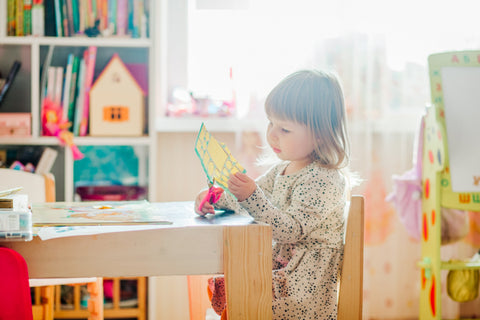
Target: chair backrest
column 351, row 280
column 15, row 300
column 38, row 187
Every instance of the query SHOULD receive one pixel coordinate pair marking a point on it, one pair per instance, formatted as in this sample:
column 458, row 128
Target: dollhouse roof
column 116, row 63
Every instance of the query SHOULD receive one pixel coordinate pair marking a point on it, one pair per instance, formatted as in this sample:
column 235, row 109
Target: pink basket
column 111, row 193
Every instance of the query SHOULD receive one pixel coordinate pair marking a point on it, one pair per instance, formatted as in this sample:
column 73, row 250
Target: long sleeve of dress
column 229, row 202
column 300, row 207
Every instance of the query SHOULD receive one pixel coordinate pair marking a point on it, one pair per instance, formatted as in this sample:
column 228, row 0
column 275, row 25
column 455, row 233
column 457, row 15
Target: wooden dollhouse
column 437, row 174
column 116, row 102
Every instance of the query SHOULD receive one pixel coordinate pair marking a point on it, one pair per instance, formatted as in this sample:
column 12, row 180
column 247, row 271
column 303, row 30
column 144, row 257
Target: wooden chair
column 41, row 188
column 350, row 296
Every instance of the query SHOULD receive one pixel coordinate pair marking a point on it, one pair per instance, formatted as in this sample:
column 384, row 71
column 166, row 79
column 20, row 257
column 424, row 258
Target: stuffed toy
column 53, row 125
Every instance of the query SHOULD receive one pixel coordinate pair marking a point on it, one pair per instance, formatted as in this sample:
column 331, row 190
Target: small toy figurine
column 53, row 125
column 213, row 194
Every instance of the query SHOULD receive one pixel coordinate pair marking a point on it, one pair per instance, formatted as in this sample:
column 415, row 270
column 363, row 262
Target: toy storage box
column 15, row 124
column 116, row 102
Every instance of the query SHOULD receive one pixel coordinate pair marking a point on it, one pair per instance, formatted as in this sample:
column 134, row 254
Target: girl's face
column 290, row 141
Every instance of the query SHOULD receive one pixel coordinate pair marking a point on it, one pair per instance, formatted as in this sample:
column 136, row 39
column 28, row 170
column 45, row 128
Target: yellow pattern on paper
column 216, row 159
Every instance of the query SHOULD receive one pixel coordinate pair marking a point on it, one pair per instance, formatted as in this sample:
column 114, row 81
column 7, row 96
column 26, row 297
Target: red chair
column 15, row 300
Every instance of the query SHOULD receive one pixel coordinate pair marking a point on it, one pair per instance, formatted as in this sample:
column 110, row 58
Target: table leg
column 247, row 263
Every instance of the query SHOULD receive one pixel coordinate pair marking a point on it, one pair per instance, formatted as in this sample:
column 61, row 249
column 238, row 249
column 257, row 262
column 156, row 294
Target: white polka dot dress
column 306, row 212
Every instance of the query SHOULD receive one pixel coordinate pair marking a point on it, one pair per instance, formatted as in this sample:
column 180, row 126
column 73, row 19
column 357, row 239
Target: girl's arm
column 316, row 206
column 230, row 202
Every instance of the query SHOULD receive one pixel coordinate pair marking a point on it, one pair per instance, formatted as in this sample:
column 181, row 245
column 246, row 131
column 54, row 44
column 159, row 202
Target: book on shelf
column 69, row 16
column 90, row 14
column 57, row 93
column 66, row 86
column 90, row 56
column 73, row 92
column 27, row 17
column 50, row 89
column 19, row 18
column 11, row 17
column 80, row 97
column 122, row 17
column 38, row 16
column 75, row 17
column 64, row 17
column 58, row 18
column 112, row 16
column 102, row 10
column 50, row 23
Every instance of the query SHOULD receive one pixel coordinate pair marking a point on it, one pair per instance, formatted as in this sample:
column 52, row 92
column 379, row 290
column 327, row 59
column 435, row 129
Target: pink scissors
column 212, row 196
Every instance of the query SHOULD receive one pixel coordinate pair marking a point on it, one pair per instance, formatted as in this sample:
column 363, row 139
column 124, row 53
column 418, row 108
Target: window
column 378, row 48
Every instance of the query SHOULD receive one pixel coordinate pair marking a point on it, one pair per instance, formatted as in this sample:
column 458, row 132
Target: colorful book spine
column 19, row 19
column 38, row 16
column 50, row 24
column 103, row 7
column 122, row 17
column 80, row 98
column 73, row 92
column 112, row 16
column 57, row 97
column 90, row 56
column 137, row 16
column 82, row 14
column 69, row 9
column 94, row 12
column 66, row 86
column 27, row 17
column 51, row 83
column 63, row 9
column 11, row 19
column 75, row 17
column 90, row 22
column 58, row 18
column 130, row 15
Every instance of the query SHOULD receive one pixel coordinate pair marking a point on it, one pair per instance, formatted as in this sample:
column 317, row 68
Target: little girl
column 303, row 197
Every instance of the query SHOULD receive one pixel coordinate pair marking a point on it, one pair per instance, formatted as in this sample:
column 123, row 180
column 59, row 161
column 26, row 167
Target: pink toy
column 53, row 125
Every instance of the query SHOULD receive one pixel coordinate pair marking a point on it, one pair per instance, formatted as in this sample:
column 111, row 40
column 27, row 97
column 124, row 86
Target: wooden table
column 227, row 243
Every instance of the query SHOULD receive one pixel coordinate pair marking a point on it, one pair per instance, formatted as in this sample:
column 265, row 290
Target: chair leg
column 47, row 299
column 95, row 302
column 198, row 297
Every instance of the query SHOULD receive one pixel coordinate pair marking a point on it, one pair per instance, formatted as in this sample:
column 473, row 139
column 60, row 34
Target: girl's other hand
column 241, row 186
column 206, row 207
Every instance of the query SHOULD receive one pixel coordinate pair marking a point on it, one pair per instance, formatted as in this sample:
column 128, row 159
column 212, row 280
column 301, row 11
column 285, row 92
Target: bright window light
column 378, row 48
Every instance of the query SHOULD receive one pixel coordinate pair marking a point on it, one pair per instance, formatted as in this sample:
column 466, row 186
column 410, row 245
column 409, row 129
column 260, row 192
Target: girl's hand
column 206, row 208
column 241, row 186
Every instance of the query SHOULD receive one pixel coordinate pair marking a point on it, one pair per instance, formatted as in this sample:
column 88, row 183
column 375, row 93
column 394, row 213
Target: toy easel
column 437, row 187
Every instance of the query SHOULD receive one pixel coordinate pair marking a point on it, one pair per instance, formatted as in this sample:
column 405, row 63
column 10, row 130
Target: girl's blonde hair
column 315, row 99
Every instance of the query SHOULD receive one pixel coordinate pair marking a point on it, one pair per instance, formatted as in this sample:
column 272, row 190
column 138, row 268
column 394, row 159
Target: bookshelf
column 27, row 91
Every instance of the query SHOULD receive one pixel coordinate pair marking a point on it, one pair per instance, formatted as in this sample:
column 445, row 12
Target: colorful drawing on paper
column 216, row 159
column 94, row 213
